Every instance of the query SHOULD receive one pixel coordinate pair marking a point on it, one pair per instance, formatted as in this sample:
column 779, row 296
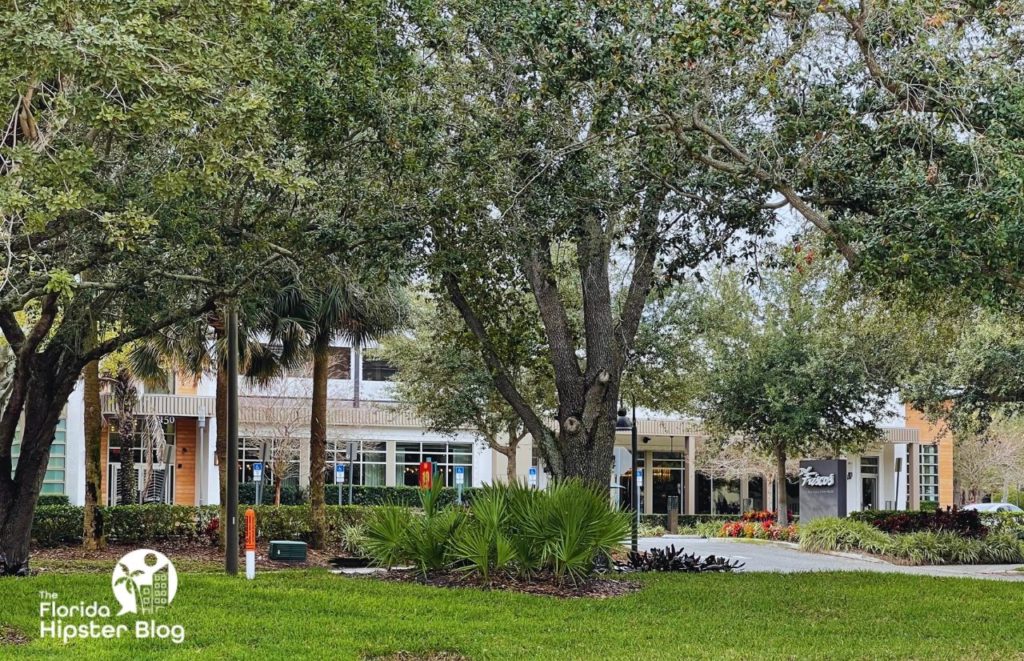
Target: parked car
column 993, row 507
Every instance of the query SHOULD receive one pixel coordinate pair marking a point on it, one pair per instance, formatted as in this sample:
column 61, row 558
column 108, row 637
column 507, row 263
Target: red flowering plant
column 760, row 530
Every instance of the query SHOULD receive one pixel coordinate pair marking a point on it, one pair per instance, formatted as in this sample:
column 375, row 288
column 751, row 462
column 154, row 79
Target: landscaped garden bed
column 931, row 538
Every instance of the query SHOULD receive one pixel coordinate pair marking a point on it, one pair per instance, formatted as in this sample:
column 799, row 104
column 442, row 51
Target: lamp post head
column 623, row 422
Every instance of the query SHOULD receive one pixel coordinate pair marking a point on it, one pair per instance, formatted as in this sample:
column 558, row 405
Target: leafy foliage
column 563, row 530
column 966, row 523
column 672, row 560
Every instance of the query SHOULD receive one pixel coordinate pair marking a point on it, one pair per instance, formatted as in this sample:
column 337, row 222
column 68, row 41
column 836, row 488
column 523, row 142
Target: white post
column 250, row 565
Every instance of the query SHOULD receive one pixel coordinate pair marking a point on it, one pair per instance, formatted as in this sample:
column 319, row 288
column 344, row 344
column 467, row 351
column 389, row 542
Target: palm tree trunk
column 318, row 450
column 92, row 528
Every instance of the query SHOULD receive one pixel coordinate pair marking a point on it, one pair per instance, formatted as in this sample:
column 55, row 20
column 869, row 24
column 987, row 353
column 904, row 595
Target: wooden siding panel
column 185, row 462
column 104, row 455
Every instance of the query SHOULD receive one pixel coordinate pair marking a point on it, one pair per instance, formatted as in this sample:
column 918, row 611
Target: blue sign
column 339, row 473
column 460, row 475
column 533, row 476
column 257, row 472
column 640, row 477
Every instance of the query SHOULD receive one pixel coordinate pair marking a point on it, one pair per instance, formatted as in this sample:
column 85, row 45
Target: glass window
column 340, row 363
column 375, row 369
column 53, row 481
column 755, row 491
column 929, row 473
column 667, row 479
column 368, row 466
column 250, row 451
column 445, row 457
column 869, row 465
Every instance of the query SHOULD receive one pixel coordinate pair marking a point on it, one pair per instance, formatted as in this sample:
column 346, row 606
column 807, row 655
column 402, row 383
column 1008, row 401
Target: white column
column 690, row 507
column 648, row 481
column 304, row 463
column 389, row 470
column 74, row 447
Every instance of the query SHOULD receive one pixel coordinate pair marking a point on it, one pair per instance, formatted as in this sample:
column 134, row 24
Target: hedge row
column 966, row 523
column 685, row 520
column 55, row 525
column 361, row 495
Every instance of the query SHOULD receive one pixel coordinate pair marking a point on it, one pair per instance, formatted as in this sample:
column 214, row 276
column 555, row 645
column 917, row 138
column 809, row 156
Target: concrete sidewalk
column 761, row 556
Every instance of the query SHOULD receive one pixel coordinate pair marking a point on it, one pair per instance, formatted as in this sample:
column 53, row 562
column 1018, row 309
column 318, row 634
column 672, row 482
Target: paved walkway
column 780, row 557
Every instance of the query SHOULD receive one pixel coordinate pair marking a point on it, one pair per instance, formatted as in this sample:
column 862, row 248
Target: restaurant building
column 910, row 465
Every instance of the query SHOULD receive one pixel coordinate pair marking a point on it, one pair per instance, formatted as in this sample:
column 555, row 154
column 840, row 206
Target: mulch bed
column 593, row 588
column 11, row 636
column 51, row 559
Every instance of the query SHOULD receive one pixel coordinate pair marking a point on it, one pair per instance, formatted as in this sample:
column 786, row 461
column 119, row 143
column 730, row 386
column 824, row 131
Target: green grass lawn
column 314, row 614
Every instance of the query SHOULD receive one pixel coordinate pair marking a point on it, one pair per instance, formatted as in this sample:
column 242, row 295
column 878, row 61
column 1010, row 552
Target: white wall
column 74, row 458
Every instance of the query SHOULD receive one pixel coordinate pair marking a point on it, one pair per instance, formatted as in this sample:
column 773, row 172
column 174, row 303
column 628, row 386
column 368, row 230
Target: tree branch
column 499, row 374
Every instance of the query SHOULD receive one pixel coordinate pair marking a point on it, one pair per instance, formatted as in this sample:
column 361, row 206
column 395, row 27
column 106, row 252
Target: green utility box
column 288, row 551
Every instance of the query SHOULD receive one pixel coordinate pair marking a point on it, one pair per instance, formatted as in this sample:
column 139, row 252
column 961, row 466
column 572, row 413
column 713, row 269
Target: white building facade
column 388, row 443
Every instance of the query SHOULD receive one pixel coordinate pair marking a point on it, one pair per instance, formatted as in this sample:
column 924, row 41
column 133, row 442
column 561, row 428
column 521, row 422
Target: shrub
column 482, row 544
column 1009, row 522
column 919, row 548
column 834, row 534
column 764, row 529
column 362, row 495
column 685, row 520
column 965, row 523
column 710, row 528
column 564, row 529
column 54, row 525
column 646, row 530
column 62, row 524
column 1002, row 547
column 53, row 499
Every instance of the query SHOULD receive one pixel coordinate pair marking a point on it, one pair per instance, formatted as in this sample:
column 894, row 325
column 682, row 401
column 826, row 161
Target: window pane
column 339, row 365
column 378, row 370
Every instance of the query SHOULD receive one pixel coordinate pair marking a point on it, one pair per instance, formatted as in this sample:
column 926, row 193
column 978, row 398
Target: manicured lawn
column 313, row 614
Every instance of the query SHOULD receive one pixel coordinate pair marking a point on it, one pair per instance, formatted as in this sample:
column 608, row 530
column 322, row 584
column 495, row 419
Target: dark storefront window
column 668, row 479
column 722, row 493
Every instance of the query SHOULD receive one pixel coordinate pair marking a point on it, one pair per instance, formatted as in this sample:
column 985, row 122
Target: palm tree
column 342, row 309
column 197, row 347
column 128, row 580
column 124, row 391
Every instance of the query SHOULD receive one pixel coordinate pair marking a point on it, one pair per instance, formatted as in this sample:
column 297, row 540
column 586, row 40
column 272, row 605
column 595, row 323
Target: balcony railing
column 168, row 406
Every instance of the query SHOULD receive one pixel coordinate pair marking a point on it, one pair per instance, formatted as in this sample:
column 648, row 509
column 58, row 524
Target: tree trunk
column 92, row 529
column 510, row 473
column 318, row 450
column 586, row 440
column 277, row 491
column 47, row 393
column 782, row 503
column 221, row 406
column 127, row 491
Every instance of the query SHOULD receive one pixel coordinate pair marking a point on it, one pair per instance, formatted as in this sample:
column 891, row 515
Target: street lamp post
column 624, row 423
column 231, row 559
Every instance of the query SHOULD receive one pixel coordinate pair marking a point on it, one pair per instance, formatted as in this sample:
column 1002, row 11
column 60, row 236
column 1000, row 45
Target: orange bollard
column 250, row 544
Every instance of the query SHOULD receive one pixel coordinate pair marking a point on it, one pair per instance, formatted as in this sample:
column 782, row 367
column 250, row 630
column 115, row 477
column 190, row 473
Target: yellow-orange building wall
column 936, row 433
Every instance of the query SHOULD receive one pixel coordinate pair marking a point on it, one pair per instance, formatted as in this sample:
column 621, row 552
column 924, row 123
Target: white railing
column 177, row 406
